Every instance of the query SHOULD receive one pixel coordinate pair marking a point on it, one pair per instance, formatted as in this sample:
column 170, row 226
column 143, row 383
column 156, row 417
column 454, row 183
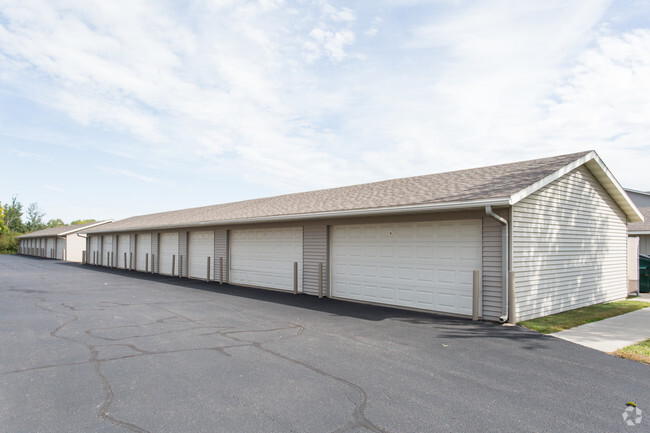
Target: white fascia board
column 609, row 182
column 517, row 197
column 98, row 223
column 600, row 172
column 638, row 232
column 409, row 209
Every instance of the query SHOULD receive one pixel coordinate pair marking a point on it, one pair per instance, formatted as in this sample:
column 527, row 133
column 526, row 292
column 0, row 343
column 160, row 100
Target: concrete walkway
column 614, row 333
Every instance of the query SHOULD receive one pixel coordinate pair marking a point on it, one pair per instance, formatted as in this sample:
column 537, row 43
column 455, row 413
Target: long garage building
column 60, row 243
column 506, row 242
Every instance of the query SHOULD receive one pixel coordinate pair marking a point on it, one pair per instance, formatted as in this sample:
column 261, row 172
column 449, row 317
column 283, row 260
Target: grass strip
column 580, row 316
column 639, row 352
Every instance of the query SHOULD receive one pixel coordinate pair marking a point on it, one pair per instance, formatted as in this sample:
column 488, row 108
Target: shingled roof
column 60, row 231
column 636, row 227
column 496, row 185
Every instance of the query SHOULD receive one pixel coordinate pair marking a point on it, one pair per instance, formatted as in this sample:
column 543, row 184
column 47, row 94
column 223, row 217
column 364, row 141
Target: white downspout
column 504, row 262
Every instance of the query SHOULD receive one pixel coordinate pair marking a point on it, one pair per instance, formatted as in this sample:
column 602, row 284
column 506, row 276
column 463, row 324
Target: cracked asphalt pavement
column 96, row 350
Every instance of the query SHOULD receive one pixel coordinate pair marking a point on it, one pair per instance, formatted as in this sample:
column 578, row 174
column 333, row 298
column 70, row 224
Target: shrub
column 8, row 243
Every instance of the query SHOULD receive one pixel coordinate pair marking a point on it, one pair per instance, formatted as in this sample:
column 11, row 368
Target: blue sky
column 120, row 108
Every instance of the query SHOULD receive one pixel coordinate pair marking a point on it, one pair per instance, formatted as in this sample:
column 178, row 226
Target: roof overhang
column 401, row 210
column 600, row 171
column 63, row 234
column 638, row 232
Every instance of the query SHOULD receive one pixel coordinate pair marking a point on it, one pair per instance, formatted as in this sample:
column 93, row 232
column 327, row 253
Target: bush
column 8, row 243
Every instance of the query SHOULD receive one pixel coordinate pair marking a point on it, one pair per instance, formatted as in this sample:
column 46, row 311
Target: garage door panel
column 201, row 247
column 143, row 251
column 425, row 265
column 93, row 257
column 123, row 247
column 265, row 257
column 168, row 253
column 108, row 244
column 60, row 246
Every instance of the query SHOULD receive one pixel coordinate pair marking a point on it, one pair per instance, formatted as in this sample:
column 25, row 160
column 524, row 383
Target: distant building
column 61, row 243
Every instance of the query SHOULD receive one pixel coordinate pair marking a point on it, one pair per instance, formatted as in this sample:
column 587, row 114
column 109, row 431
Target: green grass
column 580, row 316
column 639, row 352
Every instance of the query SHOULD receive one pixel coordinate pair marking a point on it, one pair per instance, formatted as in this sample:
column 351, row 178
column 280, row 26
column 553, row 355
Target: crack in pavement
column 104, row 407
column 358, row 418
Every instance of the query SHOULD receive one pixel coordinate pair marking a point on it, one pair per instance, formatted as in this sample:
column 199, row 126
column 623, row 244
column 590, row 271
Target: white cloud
column 604, row 105
column 286, row 95
column 53, row 188
column 28, row 155
column 127, row 173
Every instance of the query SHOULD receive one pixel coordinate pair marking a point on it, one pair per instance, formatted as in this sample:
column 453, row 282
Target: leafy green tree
column 13, row 215
column 75, row 222
column 3, row 225
column 55, row 223
column 8, row 245
column 34, row 218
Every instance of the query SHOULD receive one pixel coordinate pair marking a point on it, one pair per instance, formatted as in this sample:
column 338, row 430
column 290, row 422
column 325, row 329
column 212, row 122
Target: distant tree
column 75, row 222
column 13, row 214
column 34, row 218
column 3, row 225
column 8, row 243
column 55, row 223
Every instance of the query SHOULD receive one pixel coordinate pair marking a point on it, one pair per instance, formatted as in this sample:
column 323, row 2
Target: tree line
column 12, row 223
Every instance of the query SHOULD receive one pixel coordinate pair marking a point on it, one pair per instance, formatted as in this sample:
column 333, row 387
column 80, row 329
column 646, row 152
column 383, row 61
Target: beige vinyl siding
column 182, row 251
column 315, row 251
column 221, row 251
column 492, row 276
column 115, row 258
column 569, row 247
column 155, row 252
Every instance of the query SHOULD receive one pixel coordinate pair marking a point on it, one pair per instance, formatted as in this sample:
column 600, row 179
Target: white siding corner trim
column 569, row 247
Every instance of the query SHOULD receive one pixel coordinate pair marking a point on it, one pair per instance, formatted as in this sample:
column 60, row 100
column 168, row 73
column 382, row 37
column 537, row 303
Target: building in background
column 61, row 243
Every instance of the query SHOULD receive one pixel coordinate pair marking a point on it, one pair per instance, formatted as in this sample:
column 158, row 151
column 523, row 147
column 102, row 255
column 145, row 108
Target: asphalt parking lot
column 88, row 349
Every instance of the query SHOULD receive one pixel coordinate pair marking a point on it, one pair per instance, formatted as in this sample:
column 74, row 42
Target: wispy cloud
column 309, row 94
column 130, row 174
column 28, row 155
column 53, row 188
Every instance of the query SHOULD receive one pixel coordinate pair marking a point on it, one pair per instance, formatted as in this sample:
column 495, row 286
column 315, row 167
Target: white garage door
column 143, row 250
column 123, row 247
column 168, row 249
column 107, row 249
column 49, row 252
column 201, row 247
column 60, row 246
column 265, row 257
column 424, row 265
column 93, row 257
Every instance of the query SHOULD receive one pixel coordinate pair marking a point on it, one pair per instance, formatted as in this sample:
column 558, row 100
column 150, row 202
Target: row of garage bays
column 424, row 265
column 509, row 242
column 48, row 247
